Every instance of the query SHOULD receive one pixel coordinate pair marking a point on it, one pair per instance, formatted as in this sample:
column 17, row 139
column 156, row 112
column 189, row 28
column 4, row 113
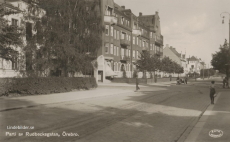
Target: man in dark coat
column 212, row 92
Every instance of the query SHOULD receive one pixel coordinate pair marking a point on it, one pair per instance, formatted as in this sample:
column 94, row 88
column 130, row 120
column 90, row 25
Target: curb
column 196, row 129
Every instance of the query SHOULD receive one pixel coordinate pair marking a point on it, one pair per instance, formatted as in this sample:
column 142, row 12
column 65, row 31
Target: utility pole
column 228, row 64
column 203, row 72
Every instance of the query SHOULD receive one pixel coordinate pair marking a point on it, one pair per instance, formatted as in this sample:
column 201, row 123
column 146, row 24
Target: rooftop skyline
column 187, row 25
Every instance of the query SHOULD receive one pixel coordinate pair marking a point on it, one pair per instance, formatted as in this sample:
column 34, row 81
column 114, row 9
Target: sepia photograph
column 114, row 71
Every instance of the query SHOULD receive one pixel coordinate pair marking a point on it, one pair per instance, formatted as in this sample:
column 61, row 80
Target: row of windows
column 121, row 67
column 116, row 34
column 114, row 50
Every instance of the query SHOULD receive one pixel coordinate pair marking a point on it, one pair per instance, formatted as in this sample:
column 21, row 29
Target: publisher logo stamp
column 215, row 133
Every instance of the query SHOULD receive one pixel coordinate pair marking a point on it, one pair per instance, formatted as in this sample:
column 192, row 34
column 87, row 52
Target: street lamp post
column 227, row 65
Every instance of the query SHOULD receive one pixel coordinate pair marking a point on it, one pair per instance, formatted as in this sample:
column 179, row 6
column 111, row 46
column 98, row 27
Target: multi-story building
column 19, row 9
column 125, row 37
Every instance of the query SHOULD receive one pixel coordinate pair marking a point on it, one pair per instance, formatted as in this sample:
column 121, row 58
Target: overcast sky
column 191, row 25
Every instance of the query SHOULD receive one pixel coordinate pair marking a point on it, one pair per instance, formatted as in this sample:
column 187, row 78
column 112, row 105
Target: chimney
column 123, row 7
column 140, row 14
column 156, row 12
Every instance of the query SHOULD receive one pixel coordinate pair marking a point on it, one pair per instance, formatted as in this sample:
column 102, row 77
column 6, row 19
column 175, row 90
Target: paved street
column 155, row 114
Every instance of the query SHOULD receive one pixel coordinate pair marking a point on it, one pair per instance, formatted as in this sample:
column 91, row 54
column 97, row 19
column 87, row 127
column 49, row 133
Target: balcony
column 136, row 32
column 145, row 35
column 124, row 43
column 124, row 58
column 110, row 19
column 159, row 41
column 144, row 48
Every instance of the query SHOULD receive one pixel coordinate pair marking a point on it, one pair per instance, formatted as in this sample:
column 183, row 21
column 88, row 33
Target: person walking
column 137, row 83
column 227, row 82
column 185, row 80
column 224, row 82
column 212, row 91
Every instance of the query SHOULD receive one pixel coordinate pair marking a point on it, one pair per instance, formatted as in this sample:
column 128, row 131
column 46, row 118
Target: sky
column 191, row 26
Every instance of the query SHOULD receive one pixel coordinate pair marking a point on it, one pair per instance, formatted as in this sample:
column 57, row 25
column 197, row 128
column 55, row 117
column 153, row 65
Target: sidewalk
column 36, row 100
column 214, row 124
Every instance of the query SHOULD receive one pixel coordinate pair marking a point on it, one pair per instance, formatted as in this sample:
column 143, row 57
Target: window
column 106, row 48
column 109, row 11
column 127, row 37
column 28, row 31
column 115, row 50
column 143, row 43
column 140, row 43
column 123, row 35
column 122, row 52
column 122, row 20
column 151, row 36
column 111, row 31
column 115, row 34
column 15, row 63
column 134, row 38
column 137, row 55
column 14, row 22
column 129, row 53
column 151, row 46
column 107, row 30
column 134, row 52
column 111, row 48
column 118, row 35
column 114, row 66
column 137, row 41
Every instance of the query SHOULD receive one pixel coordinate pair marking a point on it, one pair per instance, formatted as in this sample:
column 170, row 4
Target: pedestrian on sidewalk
column 224, row 82
column 135, row 74
column 212, row 91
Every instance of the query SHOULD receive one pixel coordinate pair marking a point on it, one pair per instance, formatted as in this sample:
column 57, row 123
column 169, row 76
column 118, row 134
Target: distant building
column 179, row 58
column 195, row 65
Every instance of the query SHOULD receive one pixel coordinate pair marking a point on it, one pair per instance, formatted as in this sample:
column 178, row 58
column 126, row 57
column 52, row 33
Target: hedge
column 46, row 85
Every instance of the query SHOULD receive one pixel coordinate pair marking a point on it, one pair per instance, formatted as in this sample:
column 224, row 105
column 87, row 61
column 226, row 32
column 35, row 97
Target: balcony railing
column 110, row 19
column 136, row 32
column 144, row 48
column 124, row 58
column 145, row 35
column 124, row 42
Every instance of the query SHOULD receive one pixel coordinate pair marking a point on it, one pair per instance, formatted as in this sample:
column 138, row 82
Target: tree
column 69, row 36
column 166, row 65
column 148, row 63
column 143, row 64
column 220, row 59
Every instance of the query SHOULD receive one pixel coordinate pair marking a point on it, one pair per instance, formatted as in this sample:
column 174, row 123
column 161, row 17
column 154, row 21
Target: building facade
column 19, row 9
column 125, row 37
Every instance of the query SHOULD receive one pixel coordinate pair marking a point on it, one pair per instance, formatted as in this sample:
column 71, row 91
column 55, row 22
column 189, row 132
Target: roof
column 193, row 59
column 175, row 52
